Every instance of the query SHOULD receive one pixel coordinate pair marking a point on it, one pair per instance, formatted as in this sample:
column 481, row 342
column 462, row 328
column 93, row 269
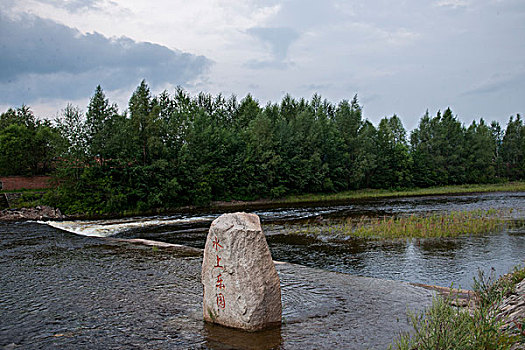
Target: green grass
column 30, row 198
column 371, row 193
column 439, row 225
column 443, row 326
column 430, row 225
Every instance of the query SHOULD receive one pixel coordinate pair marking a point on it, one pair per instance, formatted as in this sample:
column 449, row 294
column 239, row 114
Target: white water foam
column 108, row 228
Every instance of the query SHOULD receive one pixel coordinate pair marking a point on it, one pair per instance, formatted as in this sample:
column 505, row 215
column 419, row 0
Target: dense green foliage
column 27, row 146
column 170, row 150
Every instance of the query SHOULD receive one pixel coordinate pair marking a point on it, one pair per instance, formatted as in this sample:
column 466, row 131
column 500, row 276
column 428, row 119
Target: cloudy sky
column 400, row 57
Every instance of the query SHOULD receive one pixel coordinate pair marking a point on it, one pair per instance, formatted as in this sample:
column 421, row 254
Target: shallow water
column 63, row 290
column 440, row 262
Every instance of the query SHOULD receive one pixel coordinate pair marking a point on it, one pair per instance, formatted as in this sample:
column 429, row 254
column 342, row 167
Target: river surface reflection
column 64, row 291
column 60, row 290
column 440, row 262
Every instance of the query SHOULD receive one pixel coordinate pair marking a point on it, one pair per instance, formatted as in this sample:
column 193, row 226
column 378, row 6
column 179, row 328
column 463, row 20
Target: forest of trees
column 170, row 150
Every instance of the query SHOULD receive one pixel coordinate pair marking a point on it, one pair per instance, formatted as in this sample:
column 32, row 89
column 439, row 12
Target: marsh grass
column 429, row 225
column 434, row 225
column 443, row 326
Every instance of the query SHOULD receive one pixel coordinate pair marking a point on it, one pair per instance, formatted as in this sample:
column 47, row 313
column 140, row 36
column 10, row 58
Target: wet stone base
column 62, row 291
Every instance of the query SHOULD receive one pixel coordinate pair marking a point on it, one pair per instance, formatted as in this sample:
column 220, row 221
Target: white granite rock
column 241, row 286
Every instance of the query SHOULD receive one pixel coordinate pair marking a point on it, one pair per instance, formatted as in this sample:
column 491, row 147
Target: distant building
column 14, row 183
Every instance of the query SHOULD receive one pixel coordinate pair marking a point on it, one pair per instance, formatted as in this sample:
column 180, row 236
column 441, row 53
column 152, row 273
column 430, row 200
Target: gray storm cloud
column 44, row 59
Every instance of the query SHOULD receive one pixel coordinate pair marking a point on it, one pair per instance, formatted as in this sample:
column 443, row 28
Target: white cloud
column 453, row 3
column 400, row 57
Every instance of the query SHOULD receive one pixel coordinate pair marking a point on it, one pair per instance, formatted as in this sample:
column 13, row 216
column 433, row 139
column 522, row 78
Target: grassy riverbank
column 31, row 198
column 429, row 191
column 484, row 326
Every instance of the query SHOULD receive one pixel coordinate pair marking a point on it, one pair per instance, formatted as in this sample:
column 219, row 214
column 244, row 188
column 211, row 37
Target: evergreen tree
column 393, row 162
column 424, row 173
column 513, row 149
column 246, row 112
column 451, row 147
column 167, row 151
column 144, row 114
column 481, row 155
column 348, row 121
column 497, row 137
column 28, row 146
column 100, row 117
column 21, row 116
column 438, row 150
column 367, row 156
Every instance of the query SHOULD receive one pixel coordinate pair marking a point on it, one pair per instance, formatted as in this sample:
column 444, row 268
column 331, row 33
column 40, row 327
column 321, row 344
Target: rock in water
column 241, row 286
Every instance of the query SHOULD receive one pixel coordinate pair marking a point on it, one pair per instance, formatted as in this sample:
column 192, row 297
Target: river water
column 440, row 262
column 64, row 290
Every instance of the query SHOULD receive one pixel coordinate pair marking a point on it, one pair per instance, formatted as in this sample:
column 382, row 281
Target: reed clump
column 443, row 326
column 432, row 225
column 429, row 225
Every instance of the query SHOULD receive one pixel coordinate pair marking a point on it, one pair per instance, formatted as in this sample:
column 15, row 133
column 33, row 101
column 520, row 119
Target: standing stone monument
column 241, row 286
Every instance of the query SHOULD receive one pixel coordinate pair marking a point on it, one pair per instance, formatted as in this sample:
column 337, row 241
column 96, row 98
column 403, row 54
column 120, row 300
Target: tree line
column 176, row 149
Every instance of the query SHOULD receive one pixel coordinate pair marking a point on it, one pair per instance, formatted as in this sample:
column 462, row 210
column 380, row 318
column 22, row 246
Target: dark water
column 440, row 262
column 64, row 291
column 60, row 290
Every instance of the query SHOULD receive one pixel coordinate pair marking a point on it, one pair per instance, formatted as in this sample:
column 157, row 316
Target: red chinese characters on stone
column 221, row 302
column 219, row 263
column 220, row 281
column 216, row 244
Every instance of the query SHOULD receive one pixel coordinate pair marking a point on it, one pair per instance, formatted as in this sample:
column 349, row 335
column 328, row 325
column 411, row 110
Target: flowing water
column 63, row 290
column 431, row 261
